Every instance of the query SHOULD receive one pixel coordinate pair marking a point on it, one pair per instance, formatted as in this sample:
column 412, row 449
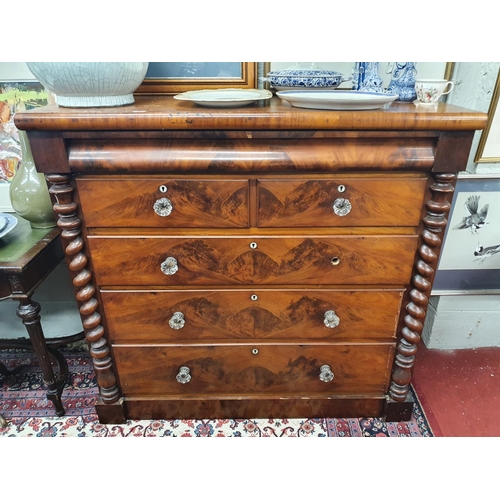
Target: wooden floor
column 460, row 390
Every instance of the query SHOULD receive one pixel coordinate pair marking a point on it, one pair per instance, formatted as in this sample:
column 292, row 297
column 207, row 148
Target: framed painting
column 470, row 258
column 176, row 77
column 13, row 97
column 488, row 149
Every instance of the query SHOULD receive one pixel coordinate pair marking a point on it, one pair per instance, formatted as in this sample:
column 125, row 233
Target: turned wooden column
column 70, row 226
column 29, row 312
column 431, row 239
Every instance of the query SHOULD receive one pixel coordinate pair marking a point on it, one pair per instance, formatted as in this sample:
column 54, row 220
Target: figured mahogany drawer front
column 260, row 368
column 326, row 260
column 156, row 316
column 353, row 201
column 159, row 202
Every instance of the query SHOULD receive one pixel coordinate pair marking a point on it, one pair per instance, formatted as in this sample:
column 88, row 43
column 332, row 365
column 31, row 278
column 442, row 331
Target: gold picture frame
column 174, row 78
column 488, row 149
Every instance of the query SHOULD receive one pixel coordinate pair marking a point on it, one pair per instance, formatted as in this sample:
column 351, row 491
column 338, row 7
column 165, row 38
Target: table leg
column 28, row 311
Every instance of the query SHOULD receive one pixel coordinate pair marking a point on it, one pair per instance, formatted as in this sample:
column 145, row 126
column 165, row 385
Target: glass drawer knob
column 184, row 376
column 325, row 374
column 163, row 207
column 341, row 206
column 169, row 266
column 331, row 320
column 177, row 321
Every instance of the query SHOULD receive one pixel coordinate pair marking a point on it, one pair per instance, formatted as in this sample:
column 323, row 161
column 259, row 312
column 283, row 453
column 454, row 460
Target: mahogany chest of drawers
column 257, row 262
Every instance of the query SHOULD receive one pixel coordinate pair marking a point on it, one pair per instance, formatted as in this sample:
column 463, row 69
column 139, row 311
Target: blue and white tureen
column 311, row 78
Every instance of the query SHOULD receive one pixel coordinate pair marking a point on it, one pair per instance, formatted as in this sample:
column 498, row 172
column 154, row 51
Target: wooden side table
column 27, row 257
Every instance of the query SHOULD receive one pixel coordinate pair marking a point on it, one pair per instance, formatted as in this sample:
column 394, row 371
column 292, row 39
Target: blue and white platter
column 7, row 224
column 336, row 99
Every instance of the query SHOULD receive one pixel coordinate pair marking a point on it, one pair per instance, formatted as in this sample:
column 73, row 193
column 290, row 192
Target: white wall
column 15, row 72
column 463, row 322
column 474, row 84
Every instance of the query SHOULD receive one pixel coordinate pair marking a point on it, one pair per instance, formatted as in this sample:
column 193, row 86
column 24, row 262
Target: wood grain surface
column 234, row 369
column 394, row 201
column 344, row 260
column 195, row 203
column 243, row 314
column 165, row 113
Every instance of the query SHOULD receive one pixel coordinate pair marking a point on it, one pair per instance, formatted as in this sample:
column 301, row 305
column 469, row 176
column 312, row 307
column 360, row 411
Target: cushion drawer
column 259, row 368
column 194, row 203
column 372, row 201
column 325, row 260
column 144, row 316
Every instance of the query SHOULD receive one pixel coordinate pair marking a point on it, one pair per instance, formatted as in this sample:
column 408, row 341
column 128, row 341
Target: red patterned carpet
column 29, row 414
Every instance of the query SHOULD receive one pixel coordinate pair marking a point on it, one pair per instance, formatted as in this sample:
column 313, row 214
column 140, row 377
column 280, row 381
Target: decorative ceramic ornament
column 366, row 78
column 90, row 84
column 28, row 190
column 403, row 80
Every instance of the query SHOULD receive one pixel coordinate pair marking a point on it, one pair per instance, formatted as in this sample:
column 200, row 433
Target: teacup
column 429, row 91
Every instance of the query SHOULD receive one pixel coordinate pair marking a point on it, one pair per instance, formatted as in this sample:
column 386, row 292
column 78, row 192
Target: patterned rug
column 24, row 405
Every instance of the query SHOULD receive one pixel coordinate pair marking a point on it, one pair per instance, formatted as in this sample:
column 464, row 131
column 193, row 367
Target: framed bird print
column 470, row 257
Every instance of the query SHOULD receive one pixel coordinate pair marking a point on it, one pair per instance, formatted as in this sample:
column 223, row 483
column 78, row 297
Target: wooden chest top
column 165, row 113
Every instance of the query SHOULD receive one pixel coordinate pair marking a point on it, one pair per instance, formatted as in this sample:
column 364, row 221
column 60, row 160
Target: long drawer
column 212, row 260
column 159, row 202
column 160, row 316
column 350, row 201
column 250, row 369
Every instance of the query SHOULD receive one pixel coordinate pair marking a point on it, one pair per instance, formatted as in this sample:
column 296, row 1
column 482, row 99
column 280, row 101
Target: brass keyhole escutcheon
column 335, row 261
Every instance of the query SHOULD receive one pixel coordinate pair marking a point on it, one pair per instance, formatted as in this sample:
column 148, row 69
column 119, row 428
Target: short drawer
column 159, row 202
column 325, row 260
column 353, row 201
column 342, row 315
column 250, row 369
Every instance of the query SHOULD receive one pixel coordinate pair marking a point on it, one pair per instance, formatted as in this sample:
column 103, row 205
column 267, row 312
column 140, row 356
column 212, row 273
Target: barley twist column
column 74, row 247
column 434, row 222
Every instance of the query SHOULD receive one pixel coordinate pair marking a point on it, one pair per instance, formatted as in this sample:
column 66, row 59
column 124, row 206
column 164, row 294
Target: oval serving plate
column 224, row 98
column 336, row 99
column 7, row 224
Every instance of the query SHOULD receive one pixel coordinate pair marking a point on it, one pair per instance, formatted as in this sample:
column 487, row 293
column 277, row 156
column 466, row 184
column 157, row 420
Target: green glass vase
column 28, row 190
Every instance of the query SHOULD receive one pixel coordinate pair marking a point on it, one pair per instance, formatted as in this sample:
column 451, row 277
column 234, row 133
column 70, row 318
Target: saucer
column 418, row 103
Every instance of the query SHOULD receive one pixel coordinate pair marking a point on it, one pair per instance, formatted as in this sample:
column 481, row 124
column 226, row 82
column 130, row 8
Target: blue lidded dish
column 305, row 78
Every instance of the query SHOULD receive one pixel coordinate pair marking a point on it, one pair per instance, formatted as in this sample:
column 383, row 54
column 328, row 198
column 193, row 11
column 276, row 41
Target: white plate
column 336, row 99
column 224, row 98
column 7, row 224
